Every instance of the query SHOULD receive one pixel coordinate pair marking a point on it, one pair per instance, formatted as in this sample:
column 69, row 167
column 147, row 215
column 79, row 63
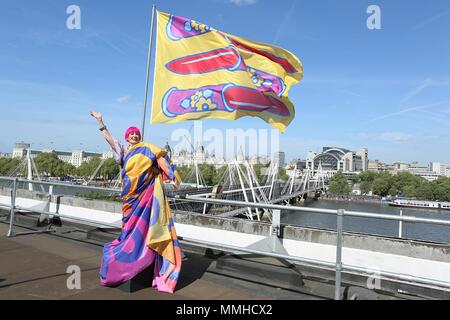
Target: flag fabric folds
column 202, row 73
column 148, row 233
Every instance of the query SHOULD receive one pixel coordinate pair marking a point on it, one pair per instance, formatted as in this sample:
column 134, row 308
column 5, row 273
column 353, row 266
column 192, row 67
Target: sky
column 387, row 90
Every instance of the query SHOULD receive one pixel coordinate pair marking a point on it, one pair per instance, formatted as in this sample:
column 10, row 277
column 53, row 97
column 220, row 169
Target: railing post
column 275, row 229
column 400, row 225
column 340, row 218
column 13, row 204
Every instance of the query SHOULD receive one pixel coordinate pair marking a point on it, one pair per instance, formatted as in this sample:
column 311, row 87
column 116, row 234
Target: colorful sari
column 148, row 233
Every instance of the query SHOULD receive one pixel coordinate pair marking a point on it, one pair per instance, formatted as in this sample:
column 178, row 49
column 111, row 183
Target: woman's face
column 134, row 138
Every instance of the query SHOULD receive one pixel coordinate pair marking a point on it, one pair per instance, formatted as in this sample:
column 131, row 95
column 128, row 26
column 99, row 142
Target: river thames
column 417, row 231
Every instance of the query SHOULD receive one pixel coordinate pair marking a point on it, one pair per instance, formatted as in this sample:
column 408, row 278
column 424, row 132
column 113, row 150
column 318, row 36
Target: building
column 439, row 168
column 5, row 155
column 200, row 156
column 300, row 164
column 20, row 150
column 376, row 166
column 400, row 166
column 75, row 158
column 364, row 154
column 265, row 160
column 280, row 159
column 333, row 159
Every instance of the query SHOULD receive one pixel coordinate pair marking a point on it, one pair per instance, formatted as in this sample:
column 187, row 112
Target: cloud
column 439, row 117
column 388, row 115
column 122, row 99
column 242, row 2
column 430, row 20
column 416, row 91
column 108, row 43
column 285, row 22
column 388, row 136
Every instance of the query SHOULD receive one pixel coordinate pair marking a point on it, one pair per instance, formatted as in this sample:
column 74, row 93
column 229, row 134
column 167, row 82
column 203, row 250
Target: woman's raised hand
column 96, row 115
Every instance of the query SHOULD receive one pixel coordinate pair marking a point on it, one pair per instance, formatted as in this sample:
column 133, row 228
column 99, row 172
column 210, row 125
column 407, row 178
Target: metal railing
column 338, row 266
column 340, row 214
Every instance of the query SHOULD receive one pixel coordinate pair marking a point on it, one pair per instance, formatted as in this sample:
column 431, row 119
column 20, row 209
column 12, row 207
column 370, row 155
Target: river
column 417, row 231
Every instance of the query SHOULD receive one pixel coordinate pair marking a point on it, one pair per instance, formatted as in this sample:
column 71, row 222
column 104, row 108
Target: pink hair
column 130, row 130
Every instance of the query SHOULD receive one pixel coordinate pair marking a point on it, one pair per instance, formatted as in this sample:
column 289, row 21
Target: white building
column 201, row 156
column 75, row 158
column 364, row 154
column 439, row 168
column 402, row 166
column 376, row 166
column 333, row 159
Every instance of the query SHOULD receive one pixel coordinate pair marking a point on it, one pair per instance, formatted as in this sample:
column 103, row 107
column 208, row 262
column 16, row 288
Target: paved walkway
column 34, row 267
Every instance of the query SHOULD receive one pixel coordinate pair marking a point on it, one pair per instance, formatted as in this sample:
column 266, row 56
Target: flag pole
column 150, row 41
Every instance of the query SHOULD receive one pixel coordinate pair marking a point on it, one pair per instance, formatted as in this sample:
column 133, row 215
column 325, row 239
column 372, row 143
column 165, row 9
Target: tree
column 208, row 172
column 7, row 165
column 183, row 171
column 365, row 187
column 425, row 191
column 282, row 174
column 409, row 191
column 110, row 169
column 365, row 179
column 49, row 164
column 87, row 168
column 219, row 174
column 260, row 171
column 401, row 180
column 381, row 186
column 339, row 184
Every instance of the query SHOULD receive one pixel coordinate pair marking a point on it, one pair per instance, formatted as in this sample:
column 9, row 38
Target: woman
column 148, row 234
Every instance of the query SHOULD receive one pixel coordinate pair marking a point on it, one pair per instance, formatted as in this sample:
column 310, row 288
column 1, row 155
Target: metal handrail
column 340, row 213
column 51, row 183
column 196, row 198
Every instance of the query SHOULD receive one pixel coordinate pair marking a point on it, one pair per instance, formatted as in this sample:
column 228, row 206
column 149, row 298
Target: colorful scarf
column 148, row 234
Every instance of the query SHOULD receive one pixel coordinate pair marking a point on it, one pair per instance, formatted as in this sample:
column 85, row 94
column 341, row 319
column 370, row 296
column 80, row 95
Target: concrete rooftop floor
column 34, row 266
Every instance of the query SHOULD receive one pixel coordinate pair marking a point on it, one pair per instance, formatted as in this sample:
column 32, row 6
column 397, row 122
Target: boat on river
column 420, row 204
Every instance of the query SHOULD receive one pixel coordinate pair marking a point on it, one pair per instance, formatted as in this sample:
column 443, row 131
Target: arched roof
column 328, row 160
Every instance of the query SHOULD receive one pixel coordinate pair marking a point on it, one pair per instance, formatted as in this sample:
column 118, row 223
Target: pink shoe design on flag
column 267, row 82
column 223, row 58
column 227, row 97
column 242, row 98
column 177, row 102
column 179, row 28
column 226, row 58
column 284, row 63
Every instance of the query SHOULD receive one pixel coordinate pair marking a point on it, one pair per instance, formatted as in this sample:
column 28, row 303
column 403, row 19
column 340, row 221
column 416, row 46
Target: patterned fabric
column 118, row 151
column 148, row 234
column 203, row 73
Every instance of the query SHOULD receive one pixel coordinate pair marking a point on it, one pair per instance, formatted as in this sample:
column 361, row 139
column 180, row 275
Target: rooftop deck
column 34, row 267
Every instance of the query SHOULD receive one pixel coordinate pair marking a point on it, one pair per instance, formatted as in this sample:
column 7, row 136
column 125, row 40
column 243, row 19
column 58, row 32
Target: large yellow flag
column 202, row 73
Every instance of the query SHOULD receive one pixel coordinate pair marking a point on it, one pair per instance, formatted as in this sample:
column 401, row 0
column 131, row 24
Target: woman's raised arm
column 103, row 129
